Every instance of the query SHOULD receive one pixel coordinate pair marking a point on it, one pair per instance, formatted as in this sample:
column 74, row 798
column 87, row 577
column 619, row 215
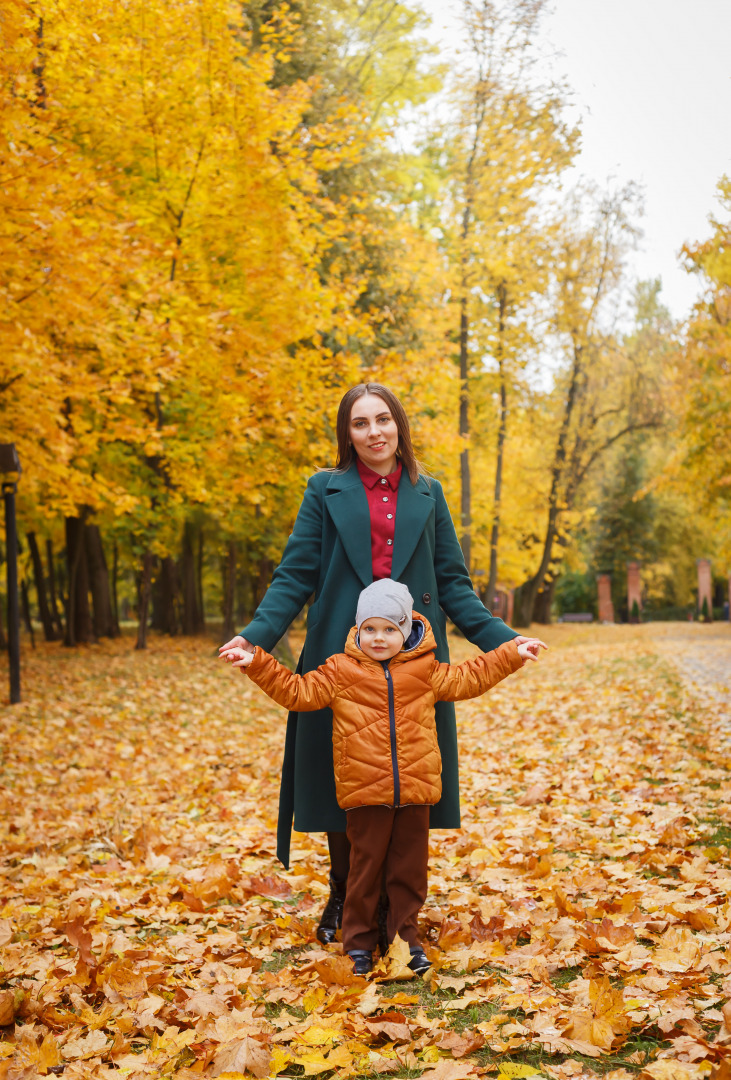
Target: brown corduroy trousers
column 388, row 846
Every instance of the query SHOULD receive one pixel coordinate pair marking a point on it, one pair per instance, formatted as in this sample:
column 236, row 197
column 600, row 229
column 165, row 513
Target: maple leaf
column 121, row 982
column 449, row 1070
column 606, row 1019
column 395, row 964
column 391, row 1024
column 242, row 1055
column 460, row 1045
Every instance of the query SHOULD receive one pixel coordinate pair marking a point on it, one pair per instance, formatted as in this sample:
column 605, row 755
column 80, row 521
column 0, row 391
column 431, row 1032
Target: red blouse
column 382, row 495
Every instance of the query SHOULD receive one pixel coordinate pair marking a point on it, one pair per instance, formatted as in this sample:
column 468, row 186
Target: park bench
column 576, row 616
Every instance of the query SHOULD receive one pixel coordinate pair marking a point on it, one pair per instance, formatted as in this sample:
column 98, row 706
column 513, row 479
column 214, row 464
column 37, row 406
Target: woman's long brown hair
column 405, row 451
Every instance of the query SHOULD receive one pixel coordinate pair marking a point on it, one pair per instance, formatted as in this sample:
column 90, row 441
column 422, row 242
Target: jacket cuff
column 261, row 656
column 510, row 651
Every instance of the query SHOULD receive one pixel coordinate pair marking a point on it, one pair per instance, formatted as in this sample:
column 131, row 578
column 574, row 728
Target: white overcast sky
column 652, row 88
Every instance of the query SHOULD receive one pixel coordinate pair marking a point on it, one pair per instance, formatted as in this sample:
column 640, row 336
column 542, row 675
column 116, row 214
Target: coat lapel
column 347, row 505
column 412, row 513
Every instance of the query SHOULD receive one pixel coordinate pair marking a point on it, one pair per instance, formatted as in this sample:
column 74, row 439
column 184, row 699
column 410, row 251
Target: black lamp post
column 10, row 472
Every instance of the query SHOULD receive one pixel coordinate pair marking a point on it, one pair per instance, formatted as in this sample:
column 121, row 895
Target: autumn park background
column 215, row 218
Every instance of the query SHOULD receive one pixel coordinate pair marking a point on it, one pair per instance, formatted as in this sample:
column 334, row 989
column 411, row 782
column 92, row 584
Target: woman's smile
column 374, row 433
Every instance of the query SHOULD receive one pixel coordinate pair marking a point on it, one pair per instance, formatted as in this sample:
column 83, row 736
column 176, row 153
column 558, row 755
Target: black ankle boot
column 362, row 961
column 332, row 917
column 419, row 961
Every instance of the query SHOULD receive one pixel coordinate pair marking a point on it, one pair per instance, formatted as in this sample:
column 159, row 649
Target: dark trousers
column 388, row 846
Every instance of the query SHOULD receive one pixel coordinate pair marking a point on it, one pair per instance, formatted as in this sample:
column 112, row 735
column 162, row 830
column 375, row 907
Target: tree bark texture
column 199, row 582
column 229, row 589
column 165, row 598
column 104, row 622
column 145, row 588
column 79, row 627
column 25, row 605
column 44, row 611
column 115, row 576
column 464, row 431
column 192, row 622
column 526, row 596
column 57, row 621
column 501, row 436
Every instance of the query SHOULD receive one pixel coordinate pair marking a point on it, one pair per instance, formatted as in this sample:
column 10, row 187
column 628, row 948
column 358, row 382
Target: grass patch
column 565, row 977
column 721, row 835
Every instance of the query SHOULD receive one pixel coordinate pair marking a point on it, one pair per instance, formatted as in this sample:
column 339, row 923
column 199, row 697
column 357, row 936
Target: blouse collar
column 371, row 478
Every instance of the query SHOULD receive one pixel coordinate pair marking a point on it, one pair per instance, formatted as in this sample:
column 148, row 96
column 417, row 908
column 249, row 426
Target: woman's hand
column 237, row 642
column 529, row 648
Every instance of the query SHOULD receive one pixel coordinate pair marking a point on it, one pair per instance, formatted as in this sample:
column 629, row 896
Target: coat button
column 426, row 598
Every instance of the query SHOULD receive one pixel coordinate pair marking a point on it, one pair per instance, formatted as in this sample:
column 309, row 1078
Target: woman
column 375, row 515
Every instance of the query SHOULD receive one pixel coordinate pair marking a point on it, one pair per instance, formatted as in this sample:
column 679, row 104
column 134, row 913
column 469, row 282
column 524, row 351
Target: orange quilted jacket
column 385, row 747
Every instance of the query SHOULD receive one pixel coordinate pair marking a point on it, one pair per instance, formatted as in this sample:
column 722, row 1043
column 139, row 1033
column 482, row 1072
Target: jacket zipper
column 392, row 725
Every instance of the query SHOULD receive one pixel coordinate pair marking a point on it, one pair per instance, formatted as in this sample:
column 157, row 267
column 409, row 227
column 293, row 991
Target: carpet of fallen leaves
column 578, row 924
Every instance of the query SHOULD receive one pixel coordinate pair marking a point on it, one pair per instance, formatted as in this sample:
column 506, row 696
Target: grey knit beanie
column 386, row 599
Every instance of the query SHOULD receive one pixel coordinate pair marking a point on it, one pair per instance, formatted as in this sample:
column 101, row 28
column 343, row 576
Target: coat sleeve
column 456, row 594
column 297, row 693
column 295, row 579
column 457, row 682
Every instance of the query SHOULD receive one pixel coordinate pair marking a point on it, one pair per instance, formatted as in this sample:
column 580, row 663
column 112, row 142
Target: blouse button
column 389, row 516
column 385, row 498
column 384, row 481
column 389, row 541
column 426, row 598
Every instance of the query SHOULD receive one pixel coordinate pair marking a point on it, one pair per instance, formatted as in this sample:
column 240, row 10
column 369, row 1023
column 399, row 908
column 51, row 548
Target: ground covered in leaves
column 578, row 924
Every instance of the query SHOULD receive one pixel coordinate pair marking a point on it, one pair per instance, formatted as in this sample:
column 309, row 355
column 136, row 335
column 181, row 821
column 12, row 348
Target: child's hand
column 240, row 658
column 529, row 648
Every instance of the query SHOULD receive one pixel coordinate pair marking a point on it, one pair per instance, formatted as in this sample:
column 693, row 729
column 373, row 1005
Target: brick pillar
column 705, row 587
column 634, row 590
column 511, row 604
column 606, row 607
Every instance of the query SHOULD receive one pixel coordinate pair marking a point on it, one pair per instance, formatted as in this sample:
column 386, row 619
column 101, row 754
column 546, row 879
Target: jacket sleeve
column 295, row 579
column 456, row 595
column 297, row 693
column 457, row 682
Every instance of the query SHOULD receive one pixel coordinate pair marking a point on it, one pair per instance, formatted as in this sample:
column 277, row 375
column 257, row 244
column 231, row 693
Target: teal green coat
column 329, row 554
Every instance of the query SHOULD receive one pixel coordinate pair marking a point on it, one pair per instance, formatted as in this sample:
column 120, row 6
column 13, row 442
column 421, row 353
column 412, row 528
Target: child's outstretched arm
column 299, row 693
column 457, row 682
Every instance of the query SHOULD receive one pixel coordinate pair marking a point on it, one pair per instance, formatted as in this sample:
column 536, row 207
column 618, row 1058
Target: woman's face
column 374, row 434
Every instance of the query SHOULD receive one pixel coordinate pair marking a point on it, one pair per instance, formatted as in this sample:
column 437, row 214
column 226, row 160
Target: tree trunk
column 501, row 435
column 57, row 621
column 464, row 432
column 164, row 598
column 79, row 628
column 199, row 583
column 25, row 604
column 3, row 639
column 44, row 612
column 229, row 590
column 544, row 602
column 266, row 566
column 529, row 589
column 104, row 622
column 191, row 613
column 115, row 576
column 143, row 611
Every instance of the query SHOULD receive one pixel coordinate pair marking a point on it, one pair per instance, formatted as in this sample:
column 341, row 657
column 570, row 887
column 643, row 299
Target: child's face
column 380, row 639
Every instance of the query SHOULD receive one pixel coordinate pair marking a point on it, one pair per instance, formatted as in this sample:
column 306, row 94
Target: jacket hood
column 421, row 640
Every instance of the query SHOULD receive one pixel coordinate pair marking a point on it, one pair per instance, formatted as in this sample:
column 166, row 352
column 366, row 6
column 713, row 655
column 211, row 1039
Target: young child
column 382, row 691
